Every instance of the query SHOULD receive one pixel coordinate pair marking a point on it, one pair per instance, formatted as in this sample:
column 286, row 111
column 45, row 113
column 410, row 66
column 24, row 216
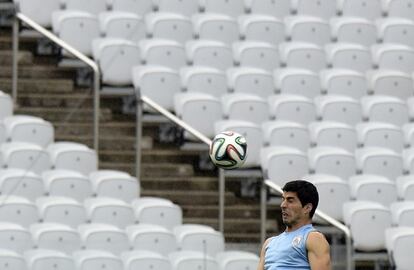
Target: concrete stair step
column 251, row 209
column 244, row 238
column 105, row 129
column 151, row 169
column 234, row 225
column 39, row 72
column 107, row 145
column 24, row 58
column 149, row 156
column 175, row 183
column 65, row 114
column 38, row 85
column 196, row 197
column 25, row 43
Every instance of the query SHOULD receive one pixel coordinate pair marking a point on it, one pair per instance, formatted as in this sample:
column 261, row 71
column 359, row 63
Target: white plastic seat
column 232, row 8
column 286, row 133
column 339, row 109
column 329, row 133
column 140, row 8
column 145, row 260
column 345, row 82
column 14, row 237
column 370, row 9
column 39, row 11
column 12, row 260
column 246, row 107
column 199, row 110
column 207, row 80
column 392, row 83
column 115, row 184
column 278, row 9
column 376, row 188
column 45, row 259
column 310, row 29
column 303, row 55
column 297, row 81
column 63, row 210
column 77, row 28
column 402, row 213
column 209, row 53
column 379, row 161
column 55, row 236
column 186, row 260
column 294, row 108
column 393, row 56
column 380, row 134
column 96, row 260
column 408, row 160
column 193, row 238
column 332, row 160
column 216, row 26
column 164, row 52
column 107, row 210
column 253, row 134
column 170, row 26
column 151, row 237
column 398, row 243
column 67, row 183
column 158, row 212
column 281, row 164
column 399, row 8
column 366, row 214
column 353, row 30
column 256, row 54
column 115, row 58
column 25, row 156
column 410, row 103
column 384, row 109
column 348, row 56
column 122, row 24
column 6, row 105
column 24, row 128
column 331, row 188
column 323, row 9
column 235, row 260
column 405, row 187
column 185, row 7
column 73, row 156
column 262, row 28
column 103, row 237
column 408, row 131
column 18, row 210
column 159, row 83
column 21, row 183
column 396, row 30
column 92, row 6
column 249, row 80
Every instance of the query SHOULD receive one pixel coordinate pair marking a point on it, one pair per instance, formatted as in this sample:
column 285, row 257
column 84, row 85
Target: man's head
column 300, row 199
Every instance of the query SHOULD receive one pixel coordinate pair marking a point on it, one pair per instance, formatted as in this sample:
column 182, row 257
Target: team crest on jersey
column 296, row 241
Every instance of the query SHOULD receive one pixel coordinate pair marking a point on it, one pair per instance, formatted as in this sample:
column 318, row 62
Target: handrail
column 318, row 213
column 69, row 48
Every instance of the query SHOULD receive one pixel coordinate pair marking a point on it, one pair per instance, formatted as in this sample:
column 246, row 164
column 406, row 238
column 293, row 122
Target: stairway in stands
column 51, row 93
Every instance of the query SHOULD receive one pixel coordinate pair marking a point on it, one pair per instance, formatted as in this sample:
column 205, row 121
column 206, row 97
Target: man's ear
column 308, row 207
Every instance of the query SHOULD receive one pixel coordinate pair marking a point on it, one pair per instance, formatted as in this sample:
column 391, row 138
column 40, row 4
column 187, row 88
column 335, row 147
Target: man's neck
column 297, row 225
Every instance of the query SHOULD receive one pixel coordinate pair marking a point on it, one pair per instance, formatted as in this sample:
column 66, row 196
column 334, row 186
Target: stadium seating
column 145, row 260
column 278, row 9
column 295, row 81
column 262, row 28
column 122, row 24
column 170, row 26
column 398, row 241
column 15, row 237
column 138, row 7
column 353, row 30
column 96, row 259
column 343, row 82
column 44, row 259
column 307, row 29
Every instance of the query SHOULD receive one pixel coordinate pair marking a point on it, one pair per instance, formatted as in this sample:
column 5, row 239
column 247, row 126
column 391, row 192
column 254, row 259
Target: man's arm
column 318, row 251
column 262, row 255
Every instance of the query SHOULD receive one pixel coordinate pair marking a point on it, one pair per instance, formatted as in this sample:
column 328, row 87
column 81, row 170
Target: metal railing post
column 138, row 131
column 263, row 212
column 15, row 58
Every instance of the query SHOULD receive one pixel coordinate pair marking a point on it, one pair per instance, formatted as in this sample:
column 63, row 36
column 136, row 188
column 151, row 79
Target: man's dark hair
column 306, row 192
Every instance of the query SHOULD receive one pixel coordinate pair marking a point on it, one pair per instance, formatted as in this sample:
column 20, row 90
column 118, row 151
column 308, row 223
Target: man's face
column 292, row 210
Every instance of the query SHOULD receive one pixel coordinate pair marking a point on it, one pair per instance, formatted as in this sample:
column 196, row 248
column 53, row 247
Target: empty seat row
column 324, row 9
column 66, row 183
column 105, row 210
column 44, row 259
column 58, row 236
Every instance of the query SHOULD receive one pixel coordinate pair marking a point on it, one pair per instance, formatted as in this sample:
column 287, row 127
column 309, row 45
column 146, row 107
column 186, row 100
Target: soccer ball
column 228, row 150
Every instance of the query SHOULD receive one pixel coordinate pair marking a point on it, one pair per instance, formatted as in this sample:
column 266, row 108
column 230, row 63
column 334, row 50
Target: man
column 300, row 246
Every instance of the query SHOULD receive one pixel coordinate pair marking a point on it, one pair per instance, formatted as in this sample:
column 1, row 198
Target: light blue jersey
column 287, row 251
